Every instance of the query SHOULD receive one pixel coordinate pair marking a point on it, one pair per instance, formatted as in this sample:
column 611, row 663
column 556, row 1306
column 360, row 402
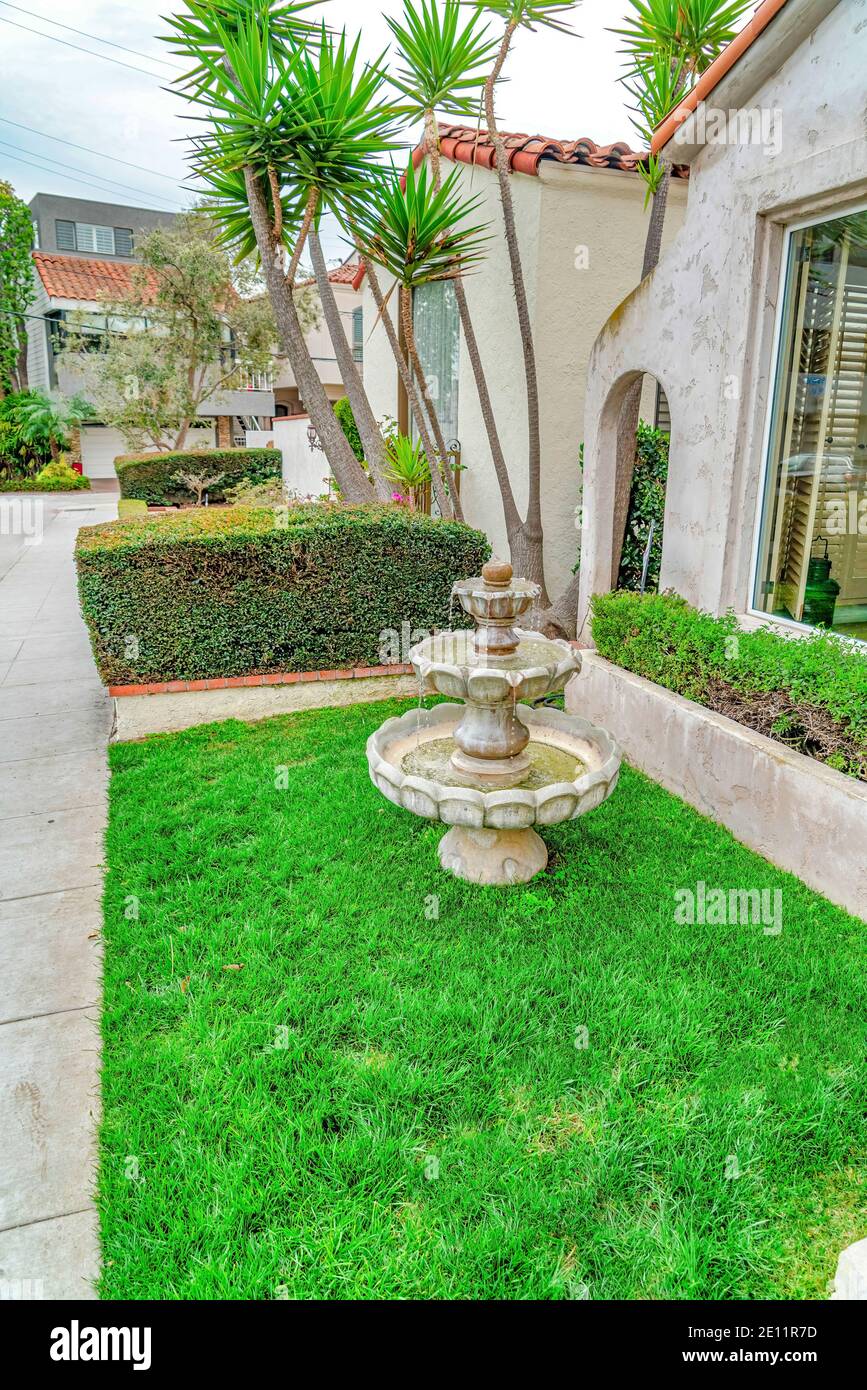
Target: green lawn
column 314, row 1087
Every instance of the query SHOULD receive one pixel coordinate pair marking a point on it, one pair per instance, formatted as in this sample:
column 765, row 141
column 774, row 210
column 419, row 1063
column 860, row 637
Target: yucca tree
column 697, row 30
column 445, row 56
column 527, row 548
column 347, row 127
column 195, row 34
column 421, row 234
column 255, row 158
column 668, row 44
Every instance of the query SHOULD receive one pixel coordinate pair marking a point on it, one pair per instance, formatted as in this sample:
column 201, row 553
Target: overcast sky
column 557, row 86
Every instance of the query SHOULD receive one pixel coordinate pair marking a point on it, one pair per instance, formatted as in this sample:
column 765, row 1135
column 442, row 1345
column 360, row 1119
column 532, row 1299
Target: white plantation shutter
column 820, row 438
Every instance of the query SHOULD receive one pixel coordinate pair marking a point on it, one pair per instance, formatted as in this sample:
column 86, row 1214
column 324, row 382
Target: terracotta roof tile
column 76, row 277
column 345, row 274
column 466, row 145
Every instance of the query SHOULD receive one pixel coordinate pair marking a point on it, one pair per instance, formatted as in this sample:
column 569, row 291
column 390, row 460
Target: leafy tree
column 46, row 424
column 274, row 106
column 17, row 289
column 189, row 327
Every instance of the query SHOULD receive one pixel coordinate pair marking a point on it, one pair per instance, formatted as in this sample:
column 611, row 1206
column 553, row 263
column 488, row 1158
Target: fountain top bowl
column 495, row 593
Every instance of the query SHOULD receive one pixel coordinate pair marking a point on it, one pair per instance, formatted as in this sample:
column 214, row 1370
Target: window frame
column 93, row 227
column 829, row 213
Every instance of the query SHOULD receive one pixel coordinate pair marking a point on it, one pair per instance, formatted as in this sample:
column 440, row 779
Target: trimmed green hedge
column 242, row 591
column 810, row 692
column 151, row 477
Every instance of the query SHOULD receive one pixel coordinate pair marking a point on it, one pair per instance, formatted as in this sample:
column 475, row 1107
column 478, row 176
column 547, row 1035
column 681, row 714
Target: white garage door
column 100, row 447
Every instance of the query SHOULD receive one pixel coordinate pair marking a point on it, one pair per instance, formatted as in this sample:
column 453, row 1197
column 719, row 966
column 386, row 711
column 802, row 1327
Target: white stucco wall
column 321, row 349
column 305, row 470
column 562, row 208
column 705, row 320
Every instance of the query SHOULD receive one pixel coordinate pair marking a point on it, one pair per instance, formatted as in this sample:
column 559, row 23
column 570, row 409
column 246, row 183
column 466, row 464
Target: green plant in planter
column 407, row 467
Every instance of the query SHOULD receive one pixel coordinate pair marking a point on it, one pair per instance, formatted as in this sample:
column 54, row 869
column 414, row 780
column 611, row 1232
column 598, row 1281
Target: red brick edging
column 274, row 678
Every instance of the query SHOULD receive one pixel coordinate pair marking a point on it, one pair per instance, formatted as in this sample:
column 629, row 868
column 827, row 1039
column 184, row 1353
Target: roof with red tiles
column 467, row 145
column 76, row 277
column 345, row 274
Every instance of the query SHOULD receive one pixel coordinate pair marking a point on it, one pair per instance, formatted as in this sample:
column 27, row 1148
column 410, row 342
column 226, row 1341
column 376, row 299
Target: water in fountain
column 432, row 759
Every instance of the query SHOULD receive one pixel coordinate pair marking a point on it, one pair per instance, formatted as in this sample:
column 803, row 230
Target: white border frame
column 797, row 629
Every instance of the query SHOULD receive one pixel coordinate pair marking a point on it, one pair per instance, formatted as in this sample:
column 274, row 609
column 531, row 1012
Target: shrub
column 810, row 692
column 343, row 411
column 154, row 478
column 128, row 508
column 239, row 591
column 57, row 476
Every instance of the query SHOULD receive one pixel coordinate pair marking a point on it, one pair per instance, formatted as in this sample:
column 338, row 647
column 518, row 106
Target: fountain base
column 493, row 858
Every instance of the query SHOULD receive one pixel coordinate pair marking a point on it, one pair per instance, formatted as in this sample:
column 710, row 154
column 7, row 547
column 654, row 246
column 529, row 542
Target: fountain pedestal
column 493, row 858
column 493, row 768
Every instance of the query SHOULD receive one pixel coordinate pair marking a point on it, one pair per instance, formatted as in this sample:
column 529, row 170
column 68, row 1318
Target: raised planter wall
column 796, row 812
column 168, row 707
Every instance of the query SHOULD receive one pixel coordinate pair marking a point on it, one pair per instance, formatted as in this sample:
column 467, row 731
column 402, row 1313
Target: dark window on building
column 65, row 236
column 358, row 334
column 123, row 241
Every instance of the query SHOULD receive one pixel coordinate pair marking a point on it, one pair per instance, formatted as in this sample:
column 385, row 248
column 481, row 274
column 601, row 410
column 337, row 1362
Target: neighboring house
column 84, row 254
column 581, row 227
column 755, row 323
column 349, row 300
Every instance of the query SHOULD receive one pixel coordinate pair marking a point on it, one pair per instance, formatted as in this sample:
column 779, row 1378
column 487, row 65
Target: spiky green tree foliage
column 291, row 126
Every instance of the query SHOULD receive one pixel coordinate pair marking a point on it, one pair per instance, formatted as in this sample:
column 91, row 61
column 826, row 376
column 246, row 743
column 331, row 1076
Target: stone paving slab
column 76, row 665
column 50, row 953
column 40, row 736
column 53, row 648
column 62, row 782
column 46, row 853
column 48, row 1259
column 25, row 701
column 49, row 1077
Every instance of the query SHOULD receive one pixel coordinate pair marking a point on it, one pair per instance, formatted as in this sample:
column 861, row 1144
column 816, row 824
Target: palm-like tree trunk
column 627, row 427
column 529, row 542
column 369, row 431
column 438, row 460
column 350, row 476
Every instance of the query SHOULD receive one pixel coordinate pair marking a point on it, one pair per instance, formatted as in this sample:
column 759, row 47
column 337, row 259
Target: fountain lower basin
column 574, row 767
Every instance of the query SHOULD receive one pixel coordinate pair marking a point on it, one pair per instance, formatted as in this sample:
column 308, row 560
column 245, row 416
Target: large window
column 85, row 236
column 437, row 332
column 813, row 550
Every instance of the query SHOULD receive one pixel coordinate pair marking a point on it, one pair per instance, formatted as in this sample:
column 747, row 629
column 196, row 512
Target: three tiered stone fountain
column 489, row 768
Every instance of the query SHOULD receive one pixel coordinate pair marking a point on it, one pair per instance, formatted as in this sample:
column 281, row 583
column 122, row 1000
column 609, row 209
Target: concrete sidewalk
column 55, row 721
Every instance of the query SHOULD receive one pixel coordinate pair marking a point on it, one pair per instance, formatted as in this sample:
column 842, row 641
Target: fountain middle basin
column 492, row 768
